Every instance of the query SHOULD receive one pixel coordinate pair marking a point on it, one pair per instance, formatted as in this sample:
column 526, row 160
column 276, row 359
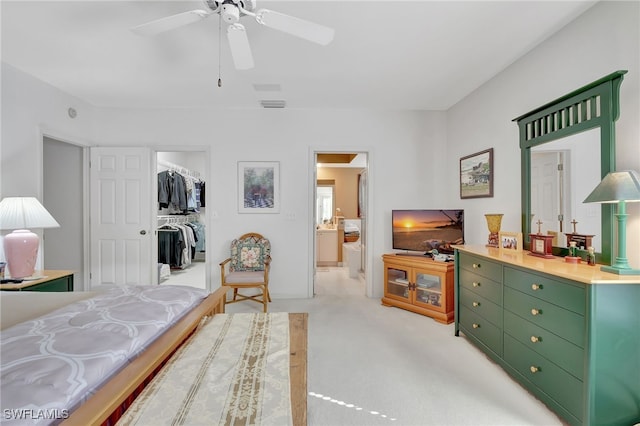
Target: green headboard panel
column 596, row 105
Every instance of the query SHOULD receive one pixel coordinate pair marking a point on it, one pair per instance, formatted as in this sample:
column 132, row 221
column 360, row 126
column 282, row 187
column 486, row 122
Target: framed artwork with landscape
column 258, row 187
column 476, row 175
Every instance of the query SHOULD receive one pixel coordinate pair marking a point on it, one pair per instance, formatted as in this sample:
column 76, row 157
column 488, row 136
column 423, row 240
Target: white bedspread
column 233, row 371
column 51, row 364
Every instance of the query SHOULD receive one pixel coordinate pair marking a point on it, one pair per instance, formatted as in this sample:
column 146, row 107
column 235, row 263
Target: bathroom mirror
column 324, row 203
column 576, row 126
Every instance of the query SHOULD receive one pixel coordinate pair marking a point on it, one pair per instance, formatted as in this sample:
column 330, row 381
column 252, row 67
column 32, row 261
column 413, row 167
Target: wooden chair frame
column 262, row 297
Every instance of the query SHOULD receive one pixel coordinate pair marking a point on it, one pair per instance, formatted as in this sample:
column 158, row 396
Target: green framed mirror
column 578, row 129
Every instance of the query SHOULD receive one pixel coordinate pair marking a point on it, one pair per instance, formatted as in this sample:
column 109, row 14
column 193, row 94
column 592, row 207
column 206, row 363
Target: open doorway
column 181, row 220
column 340, row 221
column 63, row 195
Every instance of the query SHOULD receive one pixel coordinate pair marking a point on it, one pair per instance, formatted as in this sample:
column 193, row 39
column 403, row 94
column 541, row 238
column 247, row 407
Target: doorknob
column 143, row 232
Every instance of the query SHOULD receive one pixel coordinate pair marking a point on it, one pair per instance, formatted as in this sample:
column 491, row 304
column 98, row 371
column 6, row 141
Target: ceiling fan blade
column 298, row 27
column 170, row 22
column 239, row 45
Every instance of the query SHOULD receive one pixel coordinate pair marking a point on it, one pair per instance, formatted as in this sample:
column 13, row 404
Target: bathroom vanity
column 326, row 247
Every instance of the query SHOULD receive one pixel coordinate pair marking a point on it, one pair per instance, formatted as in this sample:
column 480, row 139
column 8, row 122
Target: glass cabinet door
column 428, row 287
column 398, row 283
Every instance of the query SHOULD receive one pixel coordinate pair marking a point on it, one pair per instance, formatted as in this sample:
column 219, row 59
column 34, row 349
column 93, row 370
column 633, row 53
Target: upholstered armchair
column 248, row 268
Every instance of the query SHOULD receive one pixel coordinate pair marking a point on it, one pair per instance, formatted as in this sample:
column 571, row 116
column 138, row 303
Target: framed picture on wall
column 258, row 187
column 476, row 175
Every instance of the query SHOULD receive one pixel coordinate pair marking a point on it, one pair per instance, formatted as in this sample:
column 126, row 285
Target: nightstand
column 51, row 281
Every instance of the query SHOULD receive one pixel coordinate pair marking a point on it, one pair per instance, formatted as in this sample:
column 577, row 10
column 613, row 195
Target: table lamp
column 618, row 187
column 21, row 246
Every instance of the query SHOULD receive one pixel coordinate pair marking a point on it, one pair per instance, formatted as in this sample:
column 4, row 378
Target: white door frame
column 313, row 152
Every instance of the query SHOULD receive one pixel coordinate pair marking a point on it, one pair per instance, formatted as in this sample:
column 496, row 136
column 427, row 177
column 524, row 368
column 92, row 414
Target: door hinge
column 560, row 167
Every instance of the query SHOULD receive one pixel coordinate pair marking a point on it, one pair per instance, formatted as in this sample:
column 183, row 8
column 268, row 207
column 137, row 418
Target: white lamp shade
column 24, row 213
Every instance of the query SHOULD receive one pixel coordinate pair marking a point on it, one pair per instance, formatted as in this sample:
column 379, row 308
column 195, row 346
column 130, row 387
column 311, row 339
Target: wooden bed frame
column 109, row 399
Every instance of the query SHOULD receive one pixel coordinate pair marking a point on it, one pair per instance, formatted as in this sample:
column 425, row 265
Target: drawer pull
column 535, row 311
column 534, row 369
column 476, row 304
column 476, row 325
column 476, row 265
column 535, row 339
column 475, row 284
column 535, row 287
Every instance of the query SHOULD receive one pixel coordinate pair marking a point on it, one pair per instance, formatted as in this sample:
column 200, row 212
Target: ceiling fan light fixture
column 230, row 13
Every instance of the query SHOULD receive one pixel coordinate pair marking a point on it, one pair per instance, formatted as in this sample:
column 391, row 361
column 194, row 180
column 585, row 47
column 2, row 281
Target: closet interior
column 181, row 218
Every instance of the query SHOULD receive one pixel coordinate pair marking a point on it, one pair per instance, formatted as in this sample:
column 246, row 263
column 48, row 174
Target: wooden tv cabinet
column 419, row 284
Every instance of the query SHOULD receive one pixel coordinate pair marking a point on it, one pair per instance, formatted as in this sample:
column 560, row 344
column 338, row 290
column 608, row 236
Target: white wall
column 602, row 40
column 30, row 110
column 288, row 136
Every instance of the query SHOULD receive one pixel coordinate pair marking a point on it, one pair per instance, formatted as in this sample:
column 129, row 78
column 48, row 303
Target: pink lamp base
column 21, row 251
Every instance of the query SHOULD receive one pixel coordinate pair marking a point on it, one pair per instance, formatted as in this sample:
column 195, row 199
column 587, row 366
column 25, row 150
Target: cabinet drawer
column 485, row 287
column 481, row 329
column 568, row 296
column 481, row 266
column 559, row 321
column 481, row 306
column 60, row 284
column 561, row 386
column 563, row 353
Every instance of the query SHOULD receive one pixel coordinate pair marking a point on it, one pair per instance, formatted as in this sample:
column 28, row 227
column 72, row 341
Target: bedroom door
column 121, row 240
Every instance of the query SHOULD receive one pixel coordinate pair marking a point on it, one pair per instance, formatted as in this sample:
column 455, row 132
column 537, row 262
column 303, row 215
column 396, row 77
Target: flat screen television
column 426, row 230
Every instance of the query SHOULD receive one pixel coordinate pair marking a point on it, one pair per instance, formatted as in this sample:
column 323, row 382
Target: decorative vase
column 493, row 222
column 21, row 250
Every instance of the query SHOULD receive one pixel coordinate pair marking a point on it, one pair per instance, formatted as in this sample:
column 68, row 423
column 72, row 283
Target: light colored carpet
column 374, row 365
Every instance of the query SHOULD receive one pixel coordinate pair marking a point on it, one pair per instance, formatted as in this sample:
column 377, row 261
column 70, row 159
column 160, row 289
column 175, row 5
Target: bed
column 105, row 399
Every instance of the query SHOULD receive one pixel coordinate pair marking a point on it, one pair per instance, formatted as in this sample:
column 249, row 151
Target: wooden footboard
column 108, row 404
column 112, row 395
column 298, row 367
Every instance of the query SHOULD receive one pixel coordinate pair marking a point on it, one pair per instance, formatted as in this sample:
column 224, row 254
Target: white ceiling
column 385, row 54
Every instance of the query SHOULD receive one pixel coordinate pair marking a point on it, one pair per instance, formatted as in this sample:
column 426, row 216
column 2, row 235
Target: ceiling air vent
column 273, row 103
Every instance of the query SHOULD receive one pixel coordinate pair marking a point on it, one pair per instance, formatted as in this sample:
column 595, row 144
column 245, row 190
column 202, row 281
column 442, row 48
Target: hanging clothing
column 172, row 191
column 171, row 244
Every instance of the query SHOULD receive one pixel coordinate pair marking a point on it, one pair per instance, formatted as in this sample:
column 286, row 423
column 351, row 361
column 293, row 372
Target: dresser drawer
column 485, row 287
column 547, row 377
column 563, row 353
column 559, row 321
column 481, row 329
column 568, row 296
column 481, row 306
column 481, row 266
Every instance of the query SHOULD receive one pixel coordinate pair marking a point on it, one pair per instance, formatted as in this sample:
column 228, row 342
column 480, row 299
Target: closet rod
column 178, row 168
column 179, row 218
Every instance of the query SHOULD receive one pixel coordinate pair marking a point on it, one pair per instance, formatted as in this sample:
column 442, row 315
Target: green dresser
column 568, row 333
column 51, row 281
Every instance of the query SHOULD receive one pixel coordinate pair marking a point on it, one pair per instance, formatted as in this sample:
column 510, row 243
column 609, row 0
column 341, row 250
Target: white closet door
column 121, row 243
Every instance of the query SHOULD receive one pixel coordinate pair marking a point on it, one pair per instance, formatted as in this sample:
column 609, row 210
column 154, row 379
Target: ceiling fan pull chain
column 219, row 49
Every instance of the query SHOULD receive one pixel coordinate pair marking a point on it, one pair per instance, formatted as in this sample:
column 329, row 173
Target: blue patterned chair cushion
column 249, row 254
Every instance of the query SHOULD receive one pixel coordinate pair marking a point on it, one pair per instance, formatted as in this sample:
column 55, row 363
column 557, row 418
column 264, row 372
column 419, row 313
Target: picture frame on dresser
column 476, row 175
column 510, row 241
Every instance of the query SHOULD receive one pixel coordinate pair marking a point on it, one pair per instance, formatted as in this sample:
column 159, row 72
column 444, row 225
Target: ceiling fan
column 231, row 11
